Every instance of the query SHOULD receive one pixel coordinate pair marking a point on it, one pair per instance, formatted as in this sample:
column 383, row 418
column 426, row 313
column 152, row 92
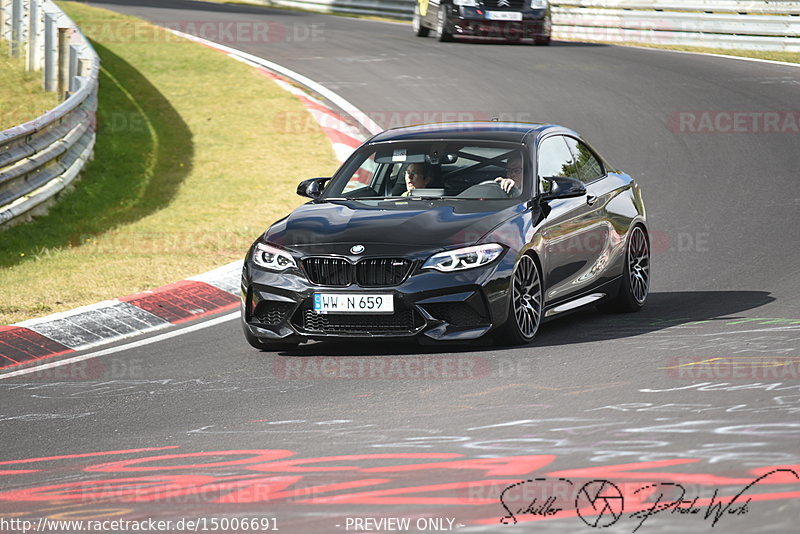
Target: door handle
column 591, row 199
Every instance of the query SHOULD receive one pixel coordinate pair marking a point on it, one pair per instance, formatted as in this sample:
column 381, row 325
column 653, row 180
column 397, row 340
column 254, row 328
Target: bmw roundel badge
column 357, row 249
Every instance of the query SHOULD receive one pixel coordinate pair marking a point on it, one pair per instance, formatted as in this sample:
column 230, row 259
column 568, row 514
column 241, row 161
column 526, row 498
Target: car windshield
column 432, row 170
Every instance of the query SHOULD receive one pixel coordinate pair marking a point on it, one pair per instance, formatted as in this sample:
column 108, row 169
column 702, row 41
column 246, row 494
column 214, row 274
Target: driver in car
column 417, row 177
column 512, row 183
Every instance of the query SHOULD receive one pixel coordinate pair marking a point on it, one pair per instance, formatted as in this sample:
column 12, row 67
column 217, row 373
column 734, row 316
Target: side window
column 554, row 159
column 587, row 166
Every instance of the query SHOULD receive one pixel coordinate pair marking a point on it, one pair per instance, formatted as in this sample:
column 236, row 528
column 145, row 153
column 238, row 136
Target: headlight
column 466, row 3
column 464, row 258
column 272, row 258
column 538, row 4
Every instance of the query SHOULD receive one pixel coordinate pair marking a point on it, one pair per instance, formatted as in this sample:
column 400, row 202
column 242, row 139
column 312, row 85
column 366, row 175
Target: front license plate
column 367, row 303
column 503, row 15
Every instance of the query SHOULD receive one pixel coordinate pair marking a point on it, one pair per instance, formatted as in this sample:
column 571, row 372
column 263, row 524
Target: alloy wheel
column 639, row 264
column 527, row 297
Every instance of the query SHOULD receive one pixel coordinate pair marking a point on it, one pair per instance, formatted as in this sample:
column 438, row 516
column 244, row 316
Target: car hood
column 431, row 225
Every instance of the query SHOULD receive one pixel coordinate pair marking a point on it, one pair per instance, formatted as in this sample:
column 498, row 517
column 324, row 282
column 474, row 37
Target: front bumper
column 440, row 306
column 474, row 23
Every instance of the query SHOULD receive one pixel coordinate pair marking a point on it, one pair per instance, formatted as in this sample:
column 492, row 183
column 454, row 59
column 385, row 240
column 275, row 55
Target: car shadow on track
column 383, row 347
column 663, row 310
column 553, row 44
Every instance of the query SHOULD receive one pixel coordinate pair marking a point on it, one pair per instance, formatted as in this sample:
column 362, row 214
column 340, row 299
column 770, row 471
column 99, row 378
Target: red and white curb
column 29, row 342
column 113, row 320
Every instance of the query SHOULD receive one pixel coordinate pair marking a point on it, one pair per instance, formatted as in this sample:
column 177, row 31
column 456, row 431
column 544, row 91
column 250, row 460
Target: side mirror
column 563, row 187
column 312, row 188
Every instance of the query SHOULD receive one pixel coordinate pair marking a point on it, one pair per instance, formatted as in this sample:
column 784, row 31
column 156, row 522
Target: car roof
column 511, row 132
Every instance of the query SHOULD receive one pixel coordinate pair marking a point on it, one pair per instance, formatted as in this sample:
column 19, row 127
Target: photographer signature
column 600, row 503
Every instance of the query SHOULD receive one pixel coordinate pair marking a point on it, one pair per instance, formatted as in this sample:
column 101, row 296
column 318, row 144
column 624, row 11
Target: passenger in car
column 512, row 182
column 418, row 176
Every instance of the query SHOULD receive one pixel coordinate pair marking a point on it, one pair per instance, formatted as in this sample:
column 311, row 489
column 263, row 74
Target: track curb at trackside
column 30, row 342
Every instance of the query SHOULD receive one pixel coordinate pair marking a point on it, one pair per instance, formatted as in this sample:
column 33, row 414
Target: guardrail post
column 84, row 66
column 5, row 15
column 72, row 79
column 16, row 28
column 34, row 35
column 58, row 155
column 50, row 76
column 62, row 79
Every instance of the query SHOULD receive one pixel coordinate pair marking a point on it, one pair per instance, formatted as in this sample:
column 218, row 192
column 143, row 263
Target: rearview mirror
column 564, row 187
column 312, row 188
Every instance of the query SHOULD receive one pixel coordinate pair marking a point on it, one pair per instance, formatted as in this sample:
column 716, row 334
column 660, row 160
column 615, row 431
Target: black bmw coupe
column 450, row 232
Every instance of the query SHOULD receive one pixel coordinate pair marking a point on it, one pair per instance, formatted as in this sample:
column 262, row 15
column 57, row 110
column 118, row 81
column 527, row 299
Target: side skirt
column 593, row 296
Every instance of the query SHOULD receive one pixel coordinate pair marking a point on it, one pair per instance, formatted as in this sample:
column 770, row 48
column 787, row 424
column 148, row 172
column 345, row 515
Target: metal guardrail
column 729, row 24
column 41, row 157
column 734, row 24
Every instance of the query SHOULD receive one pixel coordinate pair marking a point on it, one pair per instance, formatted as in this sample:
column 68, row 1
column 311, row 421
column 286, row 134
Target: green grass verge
column 21, row 95
column 788, row 57
column 195, row 156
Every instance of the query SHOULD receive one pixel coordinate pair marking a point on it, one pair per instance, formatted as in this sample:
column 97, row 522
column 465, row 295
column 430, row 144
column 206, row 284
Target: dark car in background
column 493, row 20
column 459, row 258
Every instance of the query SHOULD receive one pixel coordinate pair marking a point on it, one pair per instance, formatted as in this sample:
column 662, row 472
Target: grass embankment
column 193, row 160
column 787, row 57
column 21, row 95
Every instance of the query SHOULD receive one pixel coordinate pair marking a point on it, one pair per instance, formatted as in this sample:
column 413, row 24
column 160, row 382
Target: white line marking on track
column 725, row 56
column 711, row 334
column 127, row 346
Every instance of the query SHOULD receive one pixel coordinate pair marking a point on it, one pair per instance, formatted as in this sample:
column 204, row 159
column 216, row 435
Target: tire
column 416, row 24
column 544, row 38
column 635, row 285
column 270, row 346
column 525, row 304
column 442, row 34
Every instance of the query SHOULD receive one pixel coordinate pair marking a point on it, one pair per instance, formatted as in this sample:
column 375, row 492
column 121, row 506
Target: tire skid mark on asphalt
column 498, row 389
